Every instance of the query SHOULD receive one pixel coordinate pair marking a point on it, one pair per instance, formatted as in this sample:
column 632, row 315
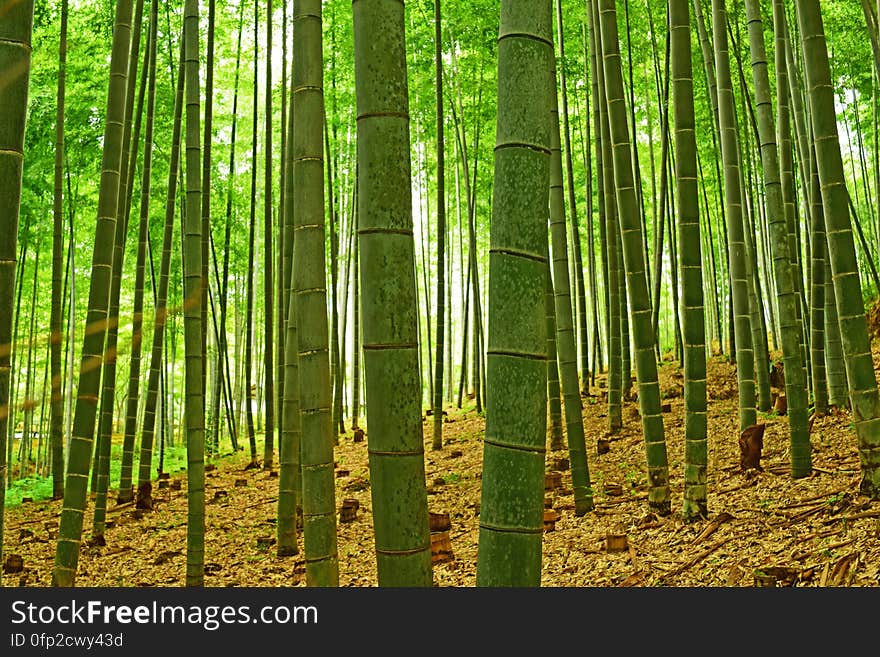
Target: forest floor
column 762, row 525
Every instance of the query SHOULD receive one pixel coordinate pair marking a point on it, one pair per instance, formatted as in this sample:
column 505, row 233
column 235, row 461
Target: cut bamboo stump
column 241, row 483
column 552, row 480
column 13, row 564
column 439, row 522
column 358, row 435
column 561, row 463
column 616, row 543
column 550, row 518
column 175, row 484
column 603, row 446
column 612, row 488
column 163, row 483
column 441, row 547
column 349, row 509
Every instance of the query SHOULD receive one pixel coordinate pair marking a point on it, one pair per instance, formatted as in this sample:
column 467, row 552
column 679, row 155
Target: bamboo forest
column 459, row 293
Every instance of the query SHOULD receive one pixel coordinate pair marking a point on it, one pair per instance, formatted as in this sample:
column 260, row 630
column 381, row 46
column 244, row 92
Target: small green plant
column 633, row 476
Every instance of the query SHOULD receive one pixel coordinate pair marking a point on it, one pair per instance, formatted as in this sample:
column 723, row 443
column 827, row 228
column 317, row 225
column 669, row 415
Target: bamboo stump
column 349, row 509
column 441, row 547
column 550, row 518
column 561, row 463
column 441, row 544
column 439, row 522
column 616, row 543
column 13, row 564
column 552, row 480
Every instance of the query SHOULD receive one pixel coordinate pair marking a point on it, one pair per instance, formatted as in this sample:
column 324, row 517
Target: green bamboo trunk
column 224, row 378
column 56, row 410
column 194, row 287
column 576, row 255
column 737, row 262
column 835, row 366
column 635, row 266
column 289, row 446
column 554, row 402
column 712, row 84
column 310, row 288
column 125, row 493
column 841, row 248
column 818, row 282
column 786, row 291
column 511, row 507
column 609, row 235
column 356, row 319
column 598, row 108
column 15, row 64
column 290, row 434
column 92, row 354
column 565, row 330
column 101, row 470
column 786, row 163
column 249, row 294
column 268, row 267
column 388, row 296
column 802, row 134
column 211, row 439
column 437, row 402
column 691, row 264
column 145, row 461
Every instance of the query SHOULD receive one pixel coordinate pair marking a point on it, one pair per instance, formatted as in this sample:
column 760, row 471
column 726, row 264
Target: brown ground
column 816, row 531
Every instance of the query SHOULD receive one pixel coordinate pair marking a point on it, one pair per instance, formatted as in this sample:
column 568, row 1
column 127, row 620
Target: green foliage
column 39, row 488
